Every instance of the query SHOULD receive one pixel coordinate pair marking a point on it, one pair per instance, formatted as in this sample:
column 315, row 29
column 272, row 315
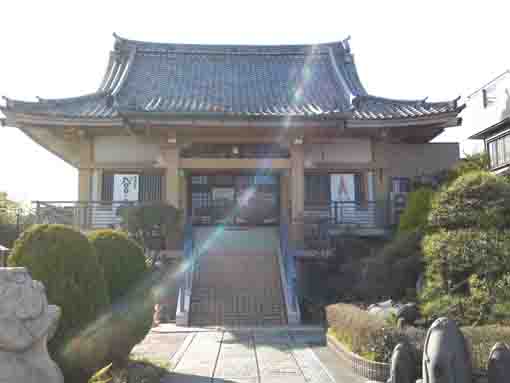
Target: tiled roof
column 217, row 80
column 373, row 108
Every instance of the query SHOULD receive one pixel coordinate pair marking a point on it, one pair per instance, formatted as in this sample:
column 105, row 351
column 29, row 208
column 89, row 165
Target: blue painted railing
column 289, row 265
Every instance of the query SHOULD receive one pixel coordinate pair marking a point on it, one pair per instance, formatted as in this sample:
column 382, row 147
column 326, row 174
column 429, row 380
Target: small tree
column 414, row 217
column 144, row 221
column 467, row 248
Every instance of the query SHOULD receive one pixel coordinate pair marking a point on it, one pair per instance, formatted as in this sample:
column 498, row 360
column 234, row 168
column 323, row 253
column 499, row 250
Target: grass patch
column 141, row 370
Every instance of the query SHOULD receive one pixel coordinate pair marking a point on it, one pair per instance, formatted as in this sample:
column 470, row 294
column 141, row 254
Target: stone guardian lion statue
column 26, row 324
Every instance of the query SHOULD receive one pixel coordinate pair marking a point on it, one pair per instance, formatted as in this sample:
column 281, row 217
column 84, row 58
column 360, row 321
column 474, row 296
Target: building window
column 317, row 188
column 499, row 151
column 489, row 96
column 400, row 185
column 346, row 187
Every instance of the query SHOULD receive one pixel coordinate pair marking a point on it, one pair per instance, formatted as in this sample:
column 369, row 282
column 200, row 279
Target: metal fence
column 87, row 215
column 369, row 214
column 374, row 371
column 13, row 221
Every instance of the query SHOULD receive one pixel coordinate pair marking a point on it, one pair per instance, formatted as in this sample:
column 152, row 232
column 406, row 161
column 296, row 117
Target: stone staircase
column 236, row 281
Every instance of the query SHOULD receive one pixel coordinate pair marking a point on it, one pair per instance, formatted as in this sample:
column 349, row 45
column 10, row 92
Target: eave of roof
column 503, row 124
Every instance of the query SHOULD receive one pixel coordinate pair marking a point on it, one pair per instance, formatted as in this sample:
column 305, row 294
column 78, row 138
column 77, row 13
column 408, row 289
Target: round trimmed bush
column 66, row 263
column 122, row 260
column 130, row 286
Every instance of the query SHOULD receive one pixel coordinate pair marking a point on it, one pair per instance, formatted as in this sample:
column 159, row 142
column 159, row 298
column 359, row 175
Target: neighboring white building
column 485, row 107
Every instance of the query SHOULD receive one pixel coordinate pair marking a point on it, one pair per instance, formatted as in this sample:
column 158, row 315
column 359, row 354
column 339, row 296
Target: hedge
column 369, row 336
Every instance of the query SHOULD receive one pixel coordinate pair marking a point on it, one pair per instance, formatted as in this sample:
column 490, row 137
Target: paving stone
column 200, row 357
column 310, row 365
column 276, row 361
column 158, row 347
column 254, row 356
column 236, row 360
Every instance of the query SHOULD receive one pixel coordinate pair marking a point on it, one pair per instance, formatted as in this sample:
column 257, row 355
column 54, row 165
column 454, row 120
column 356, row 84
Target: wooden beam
column 240, row 163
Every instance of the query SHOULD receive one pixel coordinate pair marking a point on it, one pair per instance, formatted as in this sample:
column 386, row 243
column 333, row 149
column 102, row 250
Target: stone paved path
column 201, row 355
column 246, row 357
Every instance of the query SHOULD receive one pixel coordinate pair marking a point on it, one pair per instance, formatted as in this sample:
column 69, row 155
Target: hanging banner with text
column 126, row 187
column 343, row 187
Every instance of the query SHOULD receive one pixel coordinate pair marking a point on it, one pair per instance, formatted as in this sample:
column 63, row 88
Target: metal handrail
column 359, row 213
column 184, row 296
column 290, row 271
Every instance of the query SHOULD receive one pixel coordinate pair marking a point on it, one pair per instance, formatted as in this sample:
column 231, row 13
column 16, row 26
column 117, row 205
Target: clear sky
column 403, row 49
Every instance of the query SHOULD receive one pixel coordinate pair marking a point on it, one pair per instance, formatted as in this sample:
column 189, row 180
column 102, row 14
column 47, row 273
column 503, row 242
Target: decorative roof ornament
column 346, row 45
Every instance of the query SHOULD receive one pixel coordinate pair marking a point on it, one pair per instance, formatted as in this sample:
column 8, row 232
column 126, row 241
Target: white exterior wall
column 476, row 117
column 345, row 151
column 126, row 149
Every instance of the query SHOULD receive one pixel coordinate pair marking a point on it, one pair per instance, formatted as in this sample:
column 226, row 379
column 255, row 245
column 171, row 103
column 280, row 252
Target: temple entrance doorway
column 246, row 199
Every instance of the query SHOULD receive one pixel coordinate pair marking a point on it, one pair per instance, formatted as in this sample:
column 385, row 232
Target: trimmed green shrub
column 65, row 262
column 115, row 332
column 121, row 258
column 118, row 330
column 369, row 335
column 478, row 200
column 130, row 284
column 354, row 327
column 417, row 210
column 372, row 338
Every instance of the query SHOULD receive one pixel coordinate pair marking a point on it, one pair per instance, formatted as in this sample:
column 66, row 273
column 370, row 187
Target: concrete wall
column 409, row 160
column 119, row 149
column 346, row 150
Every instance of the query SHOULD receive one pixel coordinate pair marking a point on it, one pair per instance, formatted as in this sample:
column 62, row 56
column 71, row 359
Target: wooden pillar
column 85, row 169
column 172, row 188
column 183, row 192
column 297, row 192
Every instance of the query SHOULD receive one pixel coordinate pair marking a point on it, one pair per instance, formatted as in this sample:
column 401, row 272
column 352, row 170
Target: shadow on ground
column 175, row 377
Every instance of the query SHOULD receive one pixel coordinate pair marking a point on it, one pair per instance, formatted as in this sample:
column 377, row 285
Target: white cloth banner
column 343, row 187
column 126, row 187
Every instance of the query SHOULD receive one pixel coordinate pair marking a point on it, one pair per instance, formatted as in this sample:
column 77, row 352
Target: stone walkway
column 248, row 356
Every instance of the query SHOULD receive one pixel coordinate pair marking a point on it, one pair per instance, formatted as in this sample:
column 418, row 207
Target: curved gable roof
column 235, row 80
